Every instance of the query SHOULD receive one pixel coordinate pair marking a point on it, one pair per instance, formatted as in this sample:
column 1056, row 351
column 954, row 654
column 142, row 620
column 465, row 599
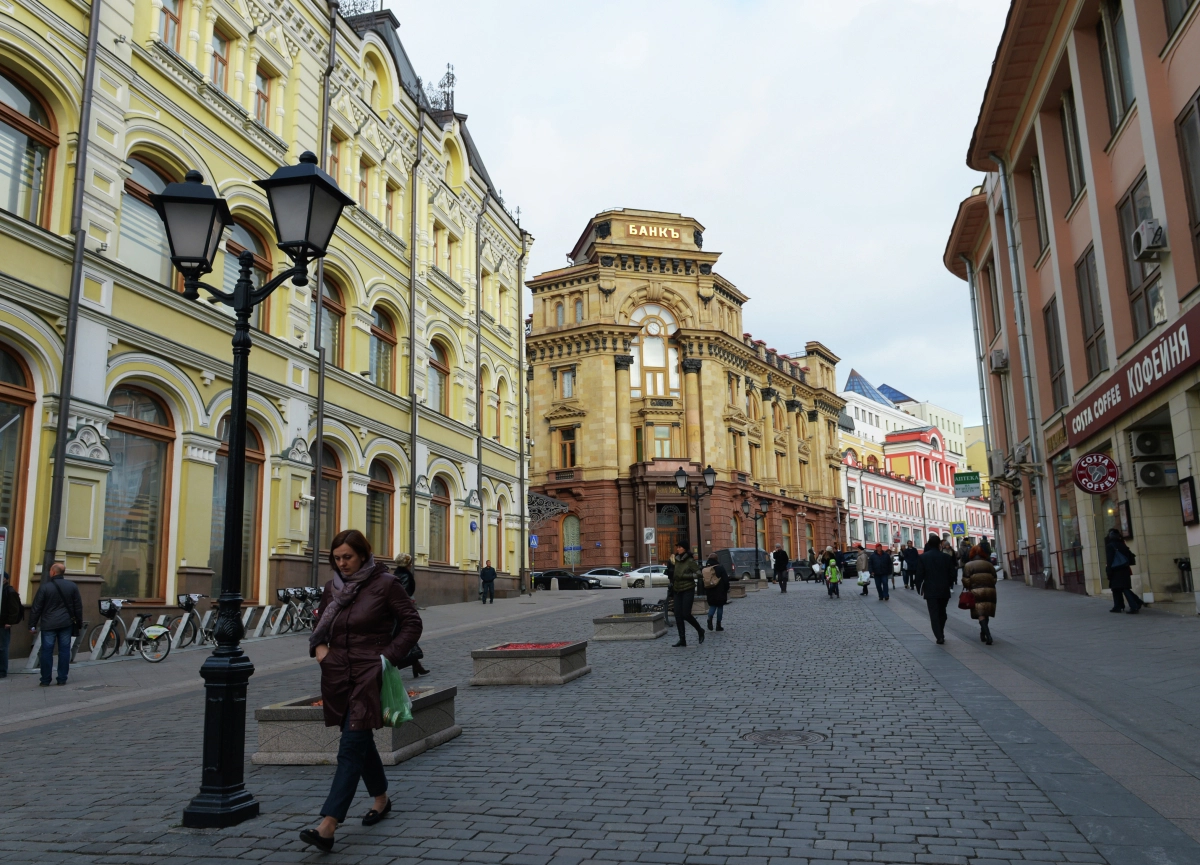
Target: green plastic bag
column 393, row 696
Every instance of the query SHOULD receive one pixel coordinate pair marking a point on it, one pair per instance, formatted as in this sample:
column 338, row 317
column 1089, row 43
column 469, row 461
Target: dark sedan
column 566, row 580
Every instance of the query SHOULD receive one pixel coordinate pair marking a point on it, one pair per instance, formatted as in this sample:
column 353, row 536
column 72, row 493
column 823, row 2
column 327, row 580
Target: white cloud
column 821, row 143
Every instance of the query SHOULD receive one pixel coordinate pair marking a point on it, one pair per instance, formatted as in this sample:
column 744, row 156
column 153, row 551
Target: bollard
column 554, row 584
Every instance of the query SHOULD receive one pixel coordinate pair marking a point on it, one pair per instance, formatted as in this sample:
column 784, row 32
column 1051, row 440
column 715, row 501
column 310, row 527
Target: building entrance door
column 672, row 527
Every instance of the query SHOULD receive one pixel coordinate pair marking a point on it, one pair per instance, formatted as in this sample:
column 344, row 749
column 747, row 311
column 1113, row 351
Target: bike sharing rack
column 35, row 652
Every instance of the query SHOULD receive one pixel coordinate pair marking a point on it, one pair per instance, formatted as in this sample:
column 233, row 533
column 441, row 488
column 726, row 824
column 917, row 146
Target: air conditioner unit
column 995, row 463
column 999, row 360
column 1149, row 241
column 1156, row 475
column 1149, row 444
column 997, row 505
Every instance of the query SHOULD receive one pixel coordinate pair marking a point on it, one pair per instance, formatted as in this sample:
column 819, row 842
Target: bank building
column 638, row 367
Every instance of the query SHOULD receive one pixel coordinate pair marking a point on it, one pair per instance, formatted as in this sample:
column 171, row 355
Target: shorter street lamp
column 305, row 206
column 764, row 506
column 696, row 493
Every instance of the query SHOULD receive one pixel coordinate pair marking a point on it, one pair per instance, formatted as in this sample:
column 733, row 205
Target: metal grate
column 785, row 737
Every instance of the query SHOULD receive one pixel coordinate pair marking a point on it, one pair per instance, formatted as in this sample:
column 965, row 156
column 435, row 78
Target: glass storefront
column 1070, row 546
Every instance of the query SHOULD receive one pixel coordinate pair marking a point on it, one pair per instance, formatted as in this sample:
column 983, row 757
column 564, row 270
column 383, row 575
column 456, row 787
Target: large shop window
column 333, row 312
column 1068, row 522
column 27, row 142
column 1145, row 288
column 331, row 496
column 251, row 512
column 786, row 540
column 382, row 371
column 380, row 489
column 142, row 245
column 655, row 369
column 16, row 398
column 136, row 500
column 437, row 379
column 1091, row 313
column 570, row 541
column 439, row 522
column 242, row 239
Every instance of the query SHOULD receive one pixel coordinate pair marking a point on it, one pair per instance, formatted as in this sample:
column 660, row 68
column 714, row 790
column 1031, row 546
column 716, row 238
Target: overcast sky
column 820, row 142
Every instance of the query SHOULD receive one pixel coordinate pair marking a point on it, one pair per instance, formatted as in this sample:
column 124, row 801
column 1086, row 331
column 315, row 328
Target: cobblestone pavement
column 931, row 756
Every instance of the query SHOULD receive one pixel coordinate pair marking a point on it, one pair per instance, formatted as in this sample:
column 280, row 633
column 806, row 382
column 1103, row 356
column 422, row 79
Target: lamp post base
column 216, row 810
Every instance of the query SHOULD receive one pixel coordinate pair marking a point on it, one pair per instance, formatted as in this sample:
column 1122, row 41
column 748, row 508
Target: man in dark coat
column 487, row 583
column 880, row 565
column 58, row 608
column 910, row 559
column 935, row 571
column 779, row 563
column 1119, row 566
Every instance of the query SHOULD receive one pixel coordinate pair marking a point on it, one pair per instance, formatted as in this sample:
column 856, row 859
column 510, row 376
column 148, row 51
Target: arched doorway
column 672, row 525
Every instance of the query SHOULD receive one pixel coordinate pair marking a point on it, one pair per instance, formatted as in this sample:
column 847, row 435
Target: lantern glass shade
column 306, row 205
column 710, row 477
column 194, row 219
column 746, row 507
column 681, row 479
column 764, row 505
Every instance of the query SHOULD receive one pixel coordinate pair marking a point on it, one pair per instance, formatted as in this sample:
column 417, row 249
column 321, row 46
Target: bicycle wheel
column 111, row 643
column 283, row 619
column 189, row 629
column 155, row 649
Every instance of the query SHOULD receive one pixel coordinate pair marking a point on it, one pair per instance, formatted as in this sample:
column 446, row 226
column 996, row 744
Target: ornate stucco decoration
column 298, row 452
column 87, row 444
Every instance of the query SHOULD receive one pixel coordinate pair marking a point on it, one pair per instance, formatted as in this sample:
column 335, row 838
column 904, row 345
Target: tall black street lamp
column 695, row 494
column 305, row 206
column 764, row 506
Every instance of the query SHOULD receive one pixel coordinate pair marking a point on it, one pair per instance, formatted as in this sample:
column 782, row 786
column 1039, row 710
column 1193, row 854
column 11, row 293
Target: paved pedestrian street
column 1037, row 749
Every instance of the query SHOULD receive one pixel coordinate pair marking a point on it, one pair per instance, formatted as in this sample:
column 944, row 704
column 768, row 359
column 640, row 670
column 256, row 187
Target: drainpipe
column 480, row 395
column 522, row 447
column 319, row 439
column 66, row 380
column 413, row 409
column 1041, row 531
column 972, row 286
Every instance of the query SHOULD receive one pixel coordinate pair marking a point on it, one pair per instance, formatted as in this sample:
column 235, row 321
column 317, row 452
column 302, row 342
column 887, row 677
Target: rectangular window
column 262, row 97
column 662, row 442
column 851, row 495
column 220, row 60
column 168, row 27
column 1189, row 145
column 735, row 452
column 993, row 292
column 754, row 463
column 566, row 380
column 389, row 215
column 566, row 448
column 640, row 453
column 1091, row 313
column 1176, row 10
column 1145, row 290
column 363, row 173
column 1071, row 142
column 869, row 531
column 1039, row 206
column 1114, row 61
column 853, row 529
column 1054, row 355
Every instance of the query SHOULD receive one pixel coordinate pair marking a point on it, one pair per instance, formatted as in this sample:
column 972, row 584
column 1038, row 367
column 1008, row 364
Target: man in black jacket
column 935, row 573
column 879, row 563
column 910, row 556
column 779, row 564
column 59, row 609
column 487, row 580
column 11, row 613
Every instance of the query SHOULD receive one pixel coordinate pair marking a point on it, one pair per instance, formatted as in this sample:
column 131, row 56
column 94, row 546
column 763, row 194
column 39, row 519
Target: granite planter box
column 294, row 733
column 636, row 626
column 530, row 663
column 736, row 590
column 751, row 585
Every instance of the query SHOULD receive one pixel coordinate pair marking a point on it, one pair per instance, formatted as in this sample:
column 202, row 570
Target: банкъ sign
column 1150, row 370
column 636, row 230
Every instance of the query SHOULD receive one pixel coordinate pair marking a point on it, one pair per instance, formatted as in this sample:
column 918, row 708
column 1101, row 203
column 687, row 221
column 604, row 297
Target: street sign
column 1095, row 473
column 533, row 541
column 958, row 529
column 967, row 485
column 648, row 536
column 573, row 549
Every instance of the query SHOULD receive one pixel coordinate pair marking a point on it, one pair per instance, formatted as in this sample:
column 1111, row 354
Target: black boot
column 677, row 645
column 710, row 627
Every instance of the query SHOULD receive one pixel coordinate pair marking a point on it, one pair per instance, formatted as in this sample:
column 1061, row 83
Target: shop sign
column 1095, row 473
column 637, row 230
column 1056, row 438
column 966, row 485
column 1148, row 372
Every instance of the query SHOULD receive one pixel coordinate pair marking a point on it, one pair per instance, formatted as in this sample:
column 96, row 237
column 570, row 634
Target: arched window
column 560, row 315
column 332, row 314
column 437, row 379
column 142, row 245
column 851, row 456
column 439, row 522
column 251, row 511
column 135, row 502
column 735, row 531
column 380, row 488
column 571, row 546
column 872, row 462
column 382, row 372
column 655, row 368
column 16, row 400
column 760, row 528
column 578, row 311
column 27, row 143
column 331, row 496
column 242, row 239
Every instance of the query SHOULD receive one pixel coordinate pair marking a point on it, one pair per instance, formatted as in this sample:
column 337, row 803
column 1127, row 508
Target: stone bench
column 530, row 663
column 635, row 626
column 736, row 590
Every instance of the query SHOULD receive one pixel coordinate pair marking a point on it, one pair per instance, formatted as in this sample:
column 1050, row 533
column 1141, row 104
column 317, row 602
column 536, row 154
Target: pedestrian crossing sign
column 958, row 529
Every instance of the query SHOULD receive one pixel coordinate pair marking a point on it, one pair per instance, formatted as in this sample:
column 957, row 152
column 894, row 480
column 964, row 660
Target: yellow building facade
column 235, row 89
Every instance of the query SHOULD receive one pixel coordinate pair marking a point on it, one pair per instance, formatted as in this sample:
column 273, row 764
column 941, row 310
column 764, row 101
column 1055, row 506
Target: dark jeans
column 833, row 588
column 781, row 578
column 488, row 591
column 937, row 615
column 5, row 637
column 357, row 758
column 63, row 636
column 904, row 574
column 1121, row 595
column 881, row 587
column 683, row 613
column 715, row 611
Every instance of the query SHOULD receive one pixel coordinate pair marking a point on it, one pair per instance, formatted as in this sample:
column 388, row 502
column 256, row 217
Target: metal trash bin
column 632, row 605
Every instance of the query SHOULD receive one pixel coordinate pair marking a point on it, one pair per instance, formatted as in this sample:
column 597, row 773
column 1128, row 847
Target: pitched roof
column 894, row 395
column 855, row 383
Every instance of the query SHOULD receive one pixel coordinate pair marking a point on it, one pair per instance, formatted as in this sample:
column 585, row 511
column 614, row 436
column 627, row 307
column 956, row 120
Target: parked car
column 849, row 564
column 802, row 569
column 653, row 575
column 610, row 578
column 739, row 562
column 566, row 580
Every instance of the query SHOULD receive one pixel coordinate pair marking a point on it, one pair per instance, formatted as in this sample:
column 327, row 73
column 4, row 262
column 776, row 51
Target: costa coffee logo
column 1095, row 473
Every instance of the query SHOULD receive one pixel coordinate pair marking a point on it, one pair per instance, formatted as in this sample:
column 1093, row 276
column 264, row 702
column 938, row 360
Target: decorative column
column 768, row 433
column 192, row 50
column 206, row 46
column 745, row 439
column 691, row 391
column 624, row 429
column 793, row 453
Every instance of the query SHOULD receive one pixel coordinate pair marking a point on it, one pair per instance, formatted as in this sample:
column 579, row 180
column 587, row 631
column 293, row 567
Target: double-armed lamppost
column 749, row 511
column 305, row 206
column 696, row 493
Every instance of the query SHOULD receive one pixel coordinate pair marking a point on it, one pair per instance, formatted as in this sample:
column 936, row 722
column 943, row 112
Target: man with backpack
column 11, row 613
column 59, row 609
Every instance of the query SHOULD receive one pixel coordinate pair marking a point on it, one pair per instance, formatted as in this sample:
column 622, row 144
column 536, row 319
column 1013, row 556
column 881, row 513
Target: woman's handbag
column 966, row 600
column 393, row 696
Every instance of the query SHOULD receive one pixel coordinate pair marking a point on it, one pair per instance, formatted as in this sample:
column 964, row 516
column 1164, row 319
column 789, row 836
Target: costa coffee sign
column 1148, row 372
column 1095, row 473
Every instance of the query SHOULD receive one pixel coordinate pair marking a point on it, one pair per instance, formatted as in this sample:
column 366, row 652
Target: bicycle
column 189, row 628
column 152, row 642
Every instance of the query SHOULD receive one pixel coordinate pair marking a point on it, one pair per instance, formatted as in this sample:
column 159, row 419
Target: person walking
column 1119, row 567
column 683, row 582
column 487, row 583
column 58, row 608
column 862, row 564
column 979, row 578
column 948, row 549
column 11, row 613
column 827, row 558
column 404, row 573
column 716, row 590
column 936, row 573
column 833, row 580
column 880, row 565
column 779, row 563
column 364, row 613
column 910, row 562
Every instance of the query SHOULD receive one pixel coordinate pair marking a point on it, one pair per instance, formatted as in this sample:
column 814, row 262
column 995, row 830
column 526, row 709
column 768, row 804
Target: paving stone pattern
column 641, row 761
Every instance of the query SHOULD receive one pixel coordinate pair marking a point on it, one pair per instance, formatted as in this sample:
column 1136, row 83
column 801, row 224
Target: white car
column 610, row 578
column 654, row 575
